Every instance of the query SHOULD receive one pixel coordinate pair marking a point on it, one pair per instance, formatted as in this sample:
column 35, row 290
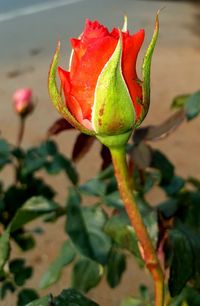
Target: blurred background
column 29, row 31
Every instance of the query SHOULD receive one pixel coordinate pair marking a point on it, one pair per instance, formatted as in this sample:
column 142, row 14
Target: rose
column 103, row 95
column 23, row 101
column 91, row 53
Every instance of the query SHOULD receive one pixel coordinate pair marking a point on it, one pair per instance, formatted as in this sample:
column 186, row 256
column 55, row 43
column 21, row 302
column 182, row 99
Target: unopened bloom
column 23, row 101
column 102, row 93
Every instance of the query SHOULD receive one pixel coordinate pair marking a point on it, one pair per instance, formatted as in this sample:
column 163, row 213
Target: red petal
column 77, row 53
column 93, row 30
column 115, row 33
column 65, row 80
column 85, row 71
column 71, row 102
column 91, row 53
column 75, row 42
column 131, row 47
column 76, row 111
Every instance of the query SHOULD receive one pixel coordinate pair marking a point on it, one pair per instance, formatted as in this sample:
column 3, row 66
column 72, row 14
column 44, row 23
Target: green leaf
column 65, row 257
column 48, row 147
column 194, row 240
column 54, row 167
column 192, row 297
column 86, row 274
column 145, row 298
column 175, row 185
column 69, row 169
column 6, row 288
column 182, row 262
column 189, row 212
column 111, row 186
column 33, row 162
column 113, row 200
column 106, row 173
column 144, row 293
column 4, row 153
column 168, row 208
column 115, row 268
column 192, row 106
column 44, row 301
column 39, row 187
column 194, row 182
column 61, row 163
column 160, row 161
column 4, row 147
column 25, row 296
column 179, row 101
column 118, row 228
column 24, row 240
column 188, row 297
column 191, row 240
column 85, row 228
column 19, row 153
column 4, row 247
column 152, row 178
column 72, row 297
column 19, row 271
column 94, row 187
column 130, row 301
column 32, row 209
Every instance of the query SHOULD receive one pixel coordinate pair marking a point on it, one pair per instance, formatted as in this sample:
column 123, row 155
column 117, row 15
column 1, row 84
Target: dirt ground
column 175, row 71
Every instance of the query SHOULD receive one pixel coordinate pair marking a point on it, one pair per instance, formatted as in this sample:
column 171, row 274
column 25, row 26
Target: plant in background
column 23, row 105
column 23, row 101
column 99, row 236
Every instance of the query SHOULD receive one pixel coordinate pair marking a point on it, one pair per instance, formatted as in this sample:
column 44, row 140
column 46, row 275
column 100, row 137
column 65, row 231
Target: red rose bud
column 22, row 100
column 102, row 93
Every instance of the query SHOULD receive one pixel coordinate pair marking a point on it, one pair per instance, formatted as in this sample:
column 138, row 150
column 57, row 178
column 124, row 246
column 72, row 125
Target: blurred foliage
column 99, row 237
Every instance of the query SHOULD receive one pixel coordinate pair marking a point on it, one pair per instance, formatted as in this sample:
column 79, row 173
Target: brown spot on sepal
column 99, row 121
column 101, row 111
column 115, row 125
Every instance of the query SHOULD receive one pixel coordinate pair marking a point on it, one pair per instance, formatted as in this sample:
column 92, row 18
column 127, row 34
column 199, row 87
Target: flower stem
column 20, row 131
column 149, row 254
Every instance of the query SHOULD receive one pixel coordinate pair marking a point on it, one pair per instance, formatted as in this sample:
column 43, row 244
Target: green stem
column 149, row 254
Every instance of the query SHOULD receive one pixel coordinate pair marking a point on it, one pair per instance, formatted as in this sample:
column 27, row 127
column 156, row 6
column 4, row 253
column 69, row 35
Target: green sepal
column 57, row 98
column 115, row 141
column 113, row 112
column 146, row 72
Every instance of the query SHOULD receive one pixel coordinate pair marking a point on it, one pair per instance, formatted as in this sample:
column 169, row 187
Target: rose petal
column 93, row 30
column 84, row 74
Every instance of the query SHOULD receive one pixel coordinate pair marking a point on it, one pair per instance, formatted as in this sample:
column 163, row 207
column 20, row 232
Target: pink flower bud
column 22, row 100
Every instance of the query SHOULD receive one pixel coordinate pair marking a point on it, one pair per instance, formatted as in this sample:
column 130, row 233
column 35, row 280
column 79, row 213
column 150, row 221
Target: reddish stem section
column 149, row 254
